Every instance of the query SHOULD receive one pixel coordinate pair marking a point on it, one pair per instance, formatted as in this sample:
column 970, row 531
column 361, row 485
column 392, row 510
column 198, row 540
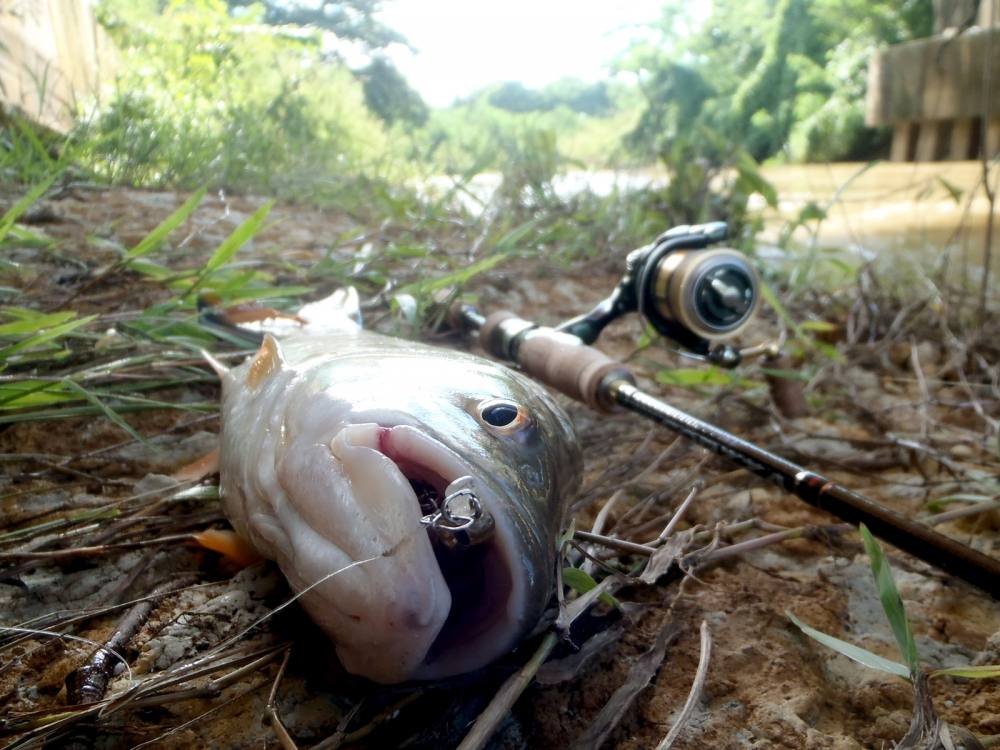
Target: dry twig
column 498, row 708
column 696, row 687
column 88, row 683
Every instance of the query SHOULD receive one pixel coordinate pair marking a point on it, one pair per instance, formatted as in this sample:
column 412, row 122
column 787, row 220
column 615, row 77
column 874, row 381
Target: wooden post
column 927, row 140
column 960, row 147
column 900, row 150
column 991, row 138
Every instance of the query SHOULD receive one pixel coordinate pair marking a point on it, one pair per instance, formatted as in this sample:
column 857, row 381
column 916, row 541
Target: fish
column 340, row 452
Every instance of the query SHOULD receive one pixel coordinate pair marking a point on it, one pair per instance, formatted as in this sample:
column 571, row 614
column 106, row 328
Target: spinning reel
column 689, row 292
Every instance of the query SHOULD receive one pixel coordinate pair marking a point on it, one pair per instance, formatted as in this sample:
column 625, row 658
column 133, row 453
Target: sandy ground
column 767, row 685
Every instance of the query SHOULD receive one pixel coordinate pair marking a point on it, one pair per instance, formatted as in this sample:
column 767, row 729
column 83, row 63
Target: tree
column 514, row 96
column 389, row 95
column 773, row 76
column 763, row 104
column 352, row 20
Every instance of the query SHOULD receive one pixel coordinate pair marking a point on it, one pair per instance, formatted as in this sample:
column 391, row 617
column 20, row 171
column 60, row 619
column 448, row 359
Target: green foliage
column 895, row 612
column 514, row 96
column 348, row 19
column 28, row 155
column 588, row 122
column 204, row 98
column 777, row 78
column 571, row 93
column 762, row 105
column 389, row 96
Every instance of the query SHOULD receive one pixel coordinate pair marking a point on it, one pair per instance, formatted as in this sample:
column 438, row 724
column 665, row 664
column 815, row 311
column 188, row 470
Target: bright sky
column 463, row 45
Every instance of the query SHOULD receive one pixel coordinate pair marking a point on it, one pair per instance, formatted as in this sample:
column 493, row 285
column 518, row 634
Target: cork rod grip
column 574, row 369
column 557, row 359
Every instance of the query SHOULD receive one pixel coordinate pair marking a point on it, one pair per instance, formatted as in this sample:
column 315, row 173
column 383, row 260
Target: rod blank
column 911, row 536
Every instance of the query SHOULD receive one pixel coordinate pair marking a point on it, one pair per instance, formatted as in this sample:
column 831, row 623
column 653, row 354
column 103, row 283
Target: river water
column 903, row 212
column 912, row 214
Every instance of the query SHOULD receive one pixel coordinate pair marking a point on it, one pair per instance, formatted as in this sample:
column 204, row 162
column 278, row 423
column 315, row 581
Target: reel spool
column 688, row 293
column 710, row 293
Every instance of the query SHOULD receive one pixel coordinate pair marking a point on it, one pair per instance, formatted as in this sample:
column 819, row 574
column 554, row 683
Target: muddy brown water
column 913, row 212
column 767, row 687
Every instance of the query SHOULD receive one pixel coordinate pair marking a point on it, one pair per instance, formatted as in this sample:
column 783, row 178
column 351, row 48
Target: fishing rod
column 698, row 295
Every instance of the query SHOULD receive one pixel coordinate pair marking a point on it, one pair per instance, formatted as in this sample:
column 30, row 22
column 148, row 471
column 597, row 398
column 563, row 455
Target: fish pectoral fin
column 266, row 361
column 199, row 468
column 229, row 544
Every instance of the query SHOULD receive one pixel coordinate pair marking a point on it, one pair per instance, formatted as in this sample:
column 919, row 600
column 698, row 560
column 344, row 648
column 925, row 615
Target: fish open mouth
column 487, row 596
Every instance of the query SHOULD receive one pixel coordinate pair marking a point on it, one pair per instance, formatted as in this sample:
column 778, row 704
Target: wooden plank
column 927, row 140
column 900, row 150
column 52, row 56
column 960, row 144
column 989, row 13
column 991, row 139
column 940, row 78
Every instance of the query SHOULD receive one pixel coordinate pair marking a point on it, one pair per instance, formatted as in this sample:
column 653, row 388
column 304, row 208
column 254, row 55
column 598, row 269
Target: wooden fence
column 54, row 57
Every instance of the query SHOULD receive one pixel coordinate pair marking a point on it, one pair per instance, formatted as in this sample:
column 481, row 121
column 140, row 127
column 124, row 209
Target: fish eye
column 503, row 417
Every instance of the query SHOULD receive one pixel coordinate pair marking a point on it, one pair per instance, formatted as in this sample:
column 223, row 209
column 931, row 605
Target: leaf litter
column 906, row 410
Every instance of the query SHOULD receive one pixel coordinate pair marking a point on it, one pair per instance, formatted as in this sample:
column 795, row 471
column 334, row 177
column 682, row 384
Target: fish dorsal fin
column 338, row 312
column 267, row 359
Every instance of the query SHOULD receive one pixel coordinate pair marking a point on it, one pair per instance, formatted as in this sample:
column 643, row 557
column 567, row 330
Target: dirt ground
column 898, row 416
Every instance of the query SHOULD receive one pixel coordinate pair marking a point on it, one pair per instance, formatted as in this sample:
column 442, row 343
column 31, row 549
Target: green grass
column 895, row 612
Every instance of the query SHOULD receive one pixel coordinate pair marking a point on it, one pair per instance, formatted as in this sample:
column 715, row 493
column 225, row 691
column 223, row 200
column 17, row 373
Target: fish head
column 362, row 467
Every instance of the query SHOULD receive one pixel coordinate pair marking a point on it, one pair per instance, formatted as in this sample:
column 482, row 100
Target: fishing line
column 388, row 553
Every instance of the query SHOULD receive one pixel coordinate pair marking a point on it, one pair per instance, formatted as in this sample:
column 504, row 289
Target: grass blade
column 982, row 672
column 224, row 253
column 34, row 323
column 892, row 603
column 69, row 412
column 856, row 653
column 106, row 410
column 229, row 247
column 15, row 211
column 32, row 393
column 698, row 376
column 420, row 289
column 581, row 582
column 44, row 337
column 37, row 147
column 939, row 504
column 153, row 240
